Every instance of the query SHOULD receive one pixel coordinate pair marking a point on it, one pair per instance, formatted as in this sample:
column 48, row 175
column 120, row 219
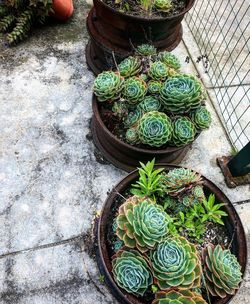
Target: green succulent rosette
column 130, row 66
column 134, row 90
column 131, row 272
column 143, row 77
column 163, row 5
column 180, row 180
column 178, row 297
column 133, row 117
column 132, row 136
column 222, row 271
column 108, row 86
column 175, row 264
column 155, row 129
column 198, row 193
column 149, row 104
column 117, row 245
column 158, row 71
column 120, row 109
column 170, row 60
column 141, row 224
column 195, row 196
column 183, row 131
column 146, row 50
column 201, row 117
column 181, row 94
column 154, row 87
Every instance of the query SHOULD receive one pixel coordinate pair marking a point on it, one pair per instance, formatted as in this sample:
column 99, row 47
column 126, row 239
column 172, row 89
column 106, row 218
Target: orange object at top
column 63, row 9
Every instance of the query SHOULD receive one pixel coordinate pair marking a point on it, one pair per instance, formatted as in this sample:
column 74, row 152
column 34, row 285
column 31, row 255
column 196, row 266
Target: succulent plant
column 163, row 5
column 158, row 70
column 133, row 117
column 146, row 50
column 187, row 200
column 108, row 86
column 170, row 202
column 182, row 94
column 154, row 86
column 132, row 136
column 183, row 131
column 134, row 90
column 178, row 297
column 141, row 223
column 155, row 129
column 180, row 180
column 196, row 195
column 222, row 271
column 172, row 72
column 130, row 66
column 117, row 245
column 170, row 60
column 175, row 263
column 149, row 104
column 201, row 117
column 120, row 109
column 143, row 76
column 131, row 272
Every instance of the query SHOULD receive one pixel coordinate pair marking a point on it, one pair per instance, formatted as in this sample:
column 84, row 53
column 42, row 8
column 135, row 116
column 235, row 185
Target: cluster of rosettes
column 155, row 102
column 184, row 185
column 150, row 255
column 179, row 180
column 170, row 262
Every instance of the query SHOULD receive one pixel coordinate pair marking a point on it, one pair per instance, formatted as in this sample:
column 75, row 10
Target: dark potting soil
column 136, row 10
column 214, row 234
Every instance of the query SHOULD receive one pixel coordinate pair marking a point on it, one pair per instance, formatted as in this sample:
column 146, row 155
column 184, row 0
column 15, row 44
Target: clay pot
column 125, row 156
column 113, row 34
column 232, row 223
column 63, row 9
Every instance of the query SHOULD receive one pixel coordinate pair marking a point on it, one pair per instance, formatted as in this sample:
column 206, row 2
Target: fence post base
column 230, row 180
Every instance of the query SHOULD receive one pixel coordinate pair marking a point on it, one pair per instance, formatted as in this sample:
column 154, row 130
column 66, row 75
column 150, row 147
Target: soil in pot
column 136, row 10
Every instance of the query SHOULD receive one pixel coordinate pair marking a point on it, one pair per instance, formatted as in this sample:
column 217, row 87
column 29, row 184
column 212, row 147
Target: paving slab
column 53, row 181
column 63, row 273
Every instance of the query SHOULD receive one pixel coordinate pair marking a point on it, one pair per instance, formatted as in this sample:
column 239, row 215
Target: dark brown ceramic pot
column 125, row 156
column 113, row 34
column 232, row 223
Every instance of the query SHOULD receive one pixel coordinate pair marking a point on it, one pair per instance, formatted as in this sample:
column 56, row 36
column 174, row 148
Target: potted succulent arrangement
column 18, row 17
column 147, row 108
column 168, row 235
column 115, row 26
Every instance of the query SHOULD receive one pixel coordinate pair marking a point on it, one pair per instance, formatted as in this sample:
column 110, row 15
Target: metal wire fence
column 221, row 30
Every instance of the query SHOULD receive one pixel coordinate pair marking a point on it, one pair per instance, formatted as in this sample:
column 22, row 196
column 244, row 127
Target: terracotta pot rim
column 102, row 245
column 97, row 115
column 189, row 5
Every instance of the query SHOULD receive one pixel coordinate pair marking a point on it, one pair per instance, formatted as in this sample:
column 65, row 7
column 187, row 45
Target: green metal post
column 239, row 165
